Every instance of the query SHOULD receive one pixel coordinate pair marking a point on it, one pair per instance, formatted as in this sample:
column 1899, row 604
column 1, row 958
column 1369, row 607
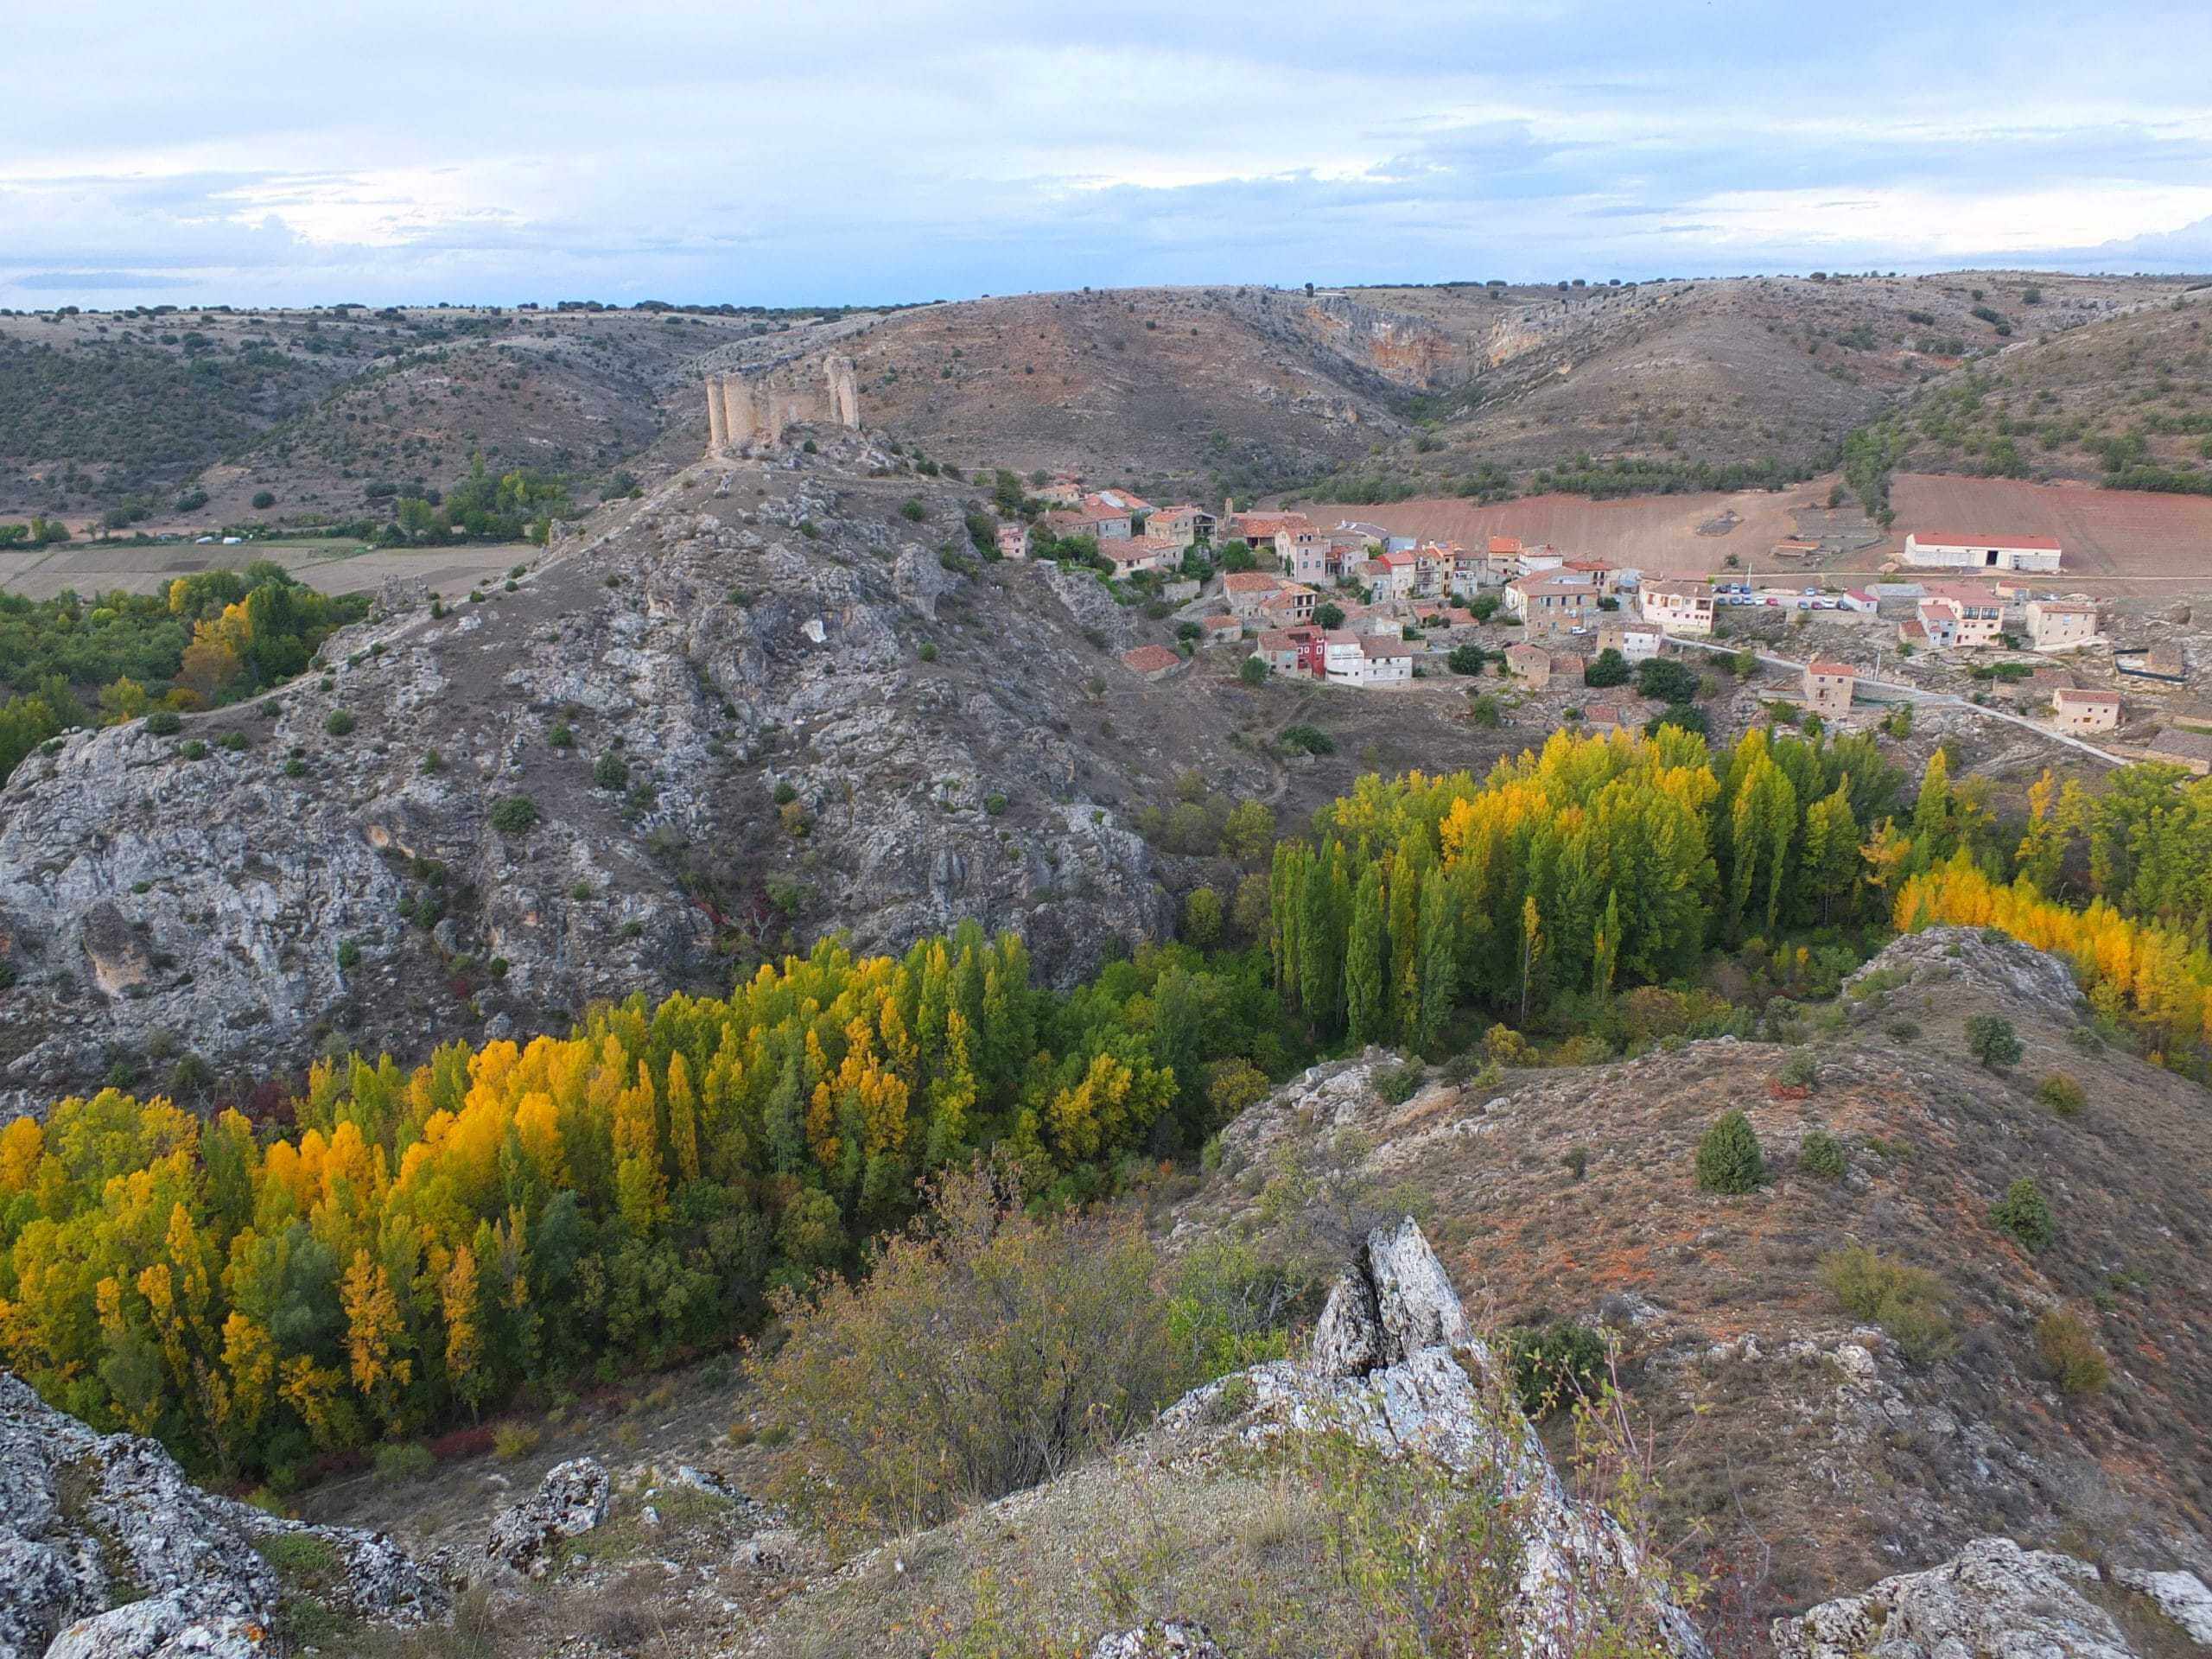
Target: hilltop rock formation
column 107, row 1550
column 701, row 732
column 1396, row 1366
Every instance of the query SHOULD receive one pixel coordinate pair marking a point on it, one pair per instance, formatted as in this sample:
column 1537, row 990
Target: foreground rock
column 1170, row 1639
column 105, row 1549
column 1997, row 1599
column 569, row 1502
column 1395, row 1366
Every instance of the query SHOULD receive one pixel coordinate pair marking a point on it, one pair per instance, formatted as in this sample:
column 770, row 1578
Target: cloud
column 917, row 148
column 100, row 282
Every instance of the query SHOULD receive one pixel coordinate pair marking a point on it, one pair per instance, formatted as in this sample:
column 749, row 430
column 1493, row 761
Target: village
column 1980, row 620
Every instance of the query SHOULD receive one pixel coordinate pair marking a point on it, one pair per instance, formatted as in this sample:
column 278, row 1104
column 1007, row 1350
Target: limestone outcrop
column 1396, row 1367
column 1997, row 1599
column 107, row 1550
column 570, row 1501
column 1169, row 1639
column 651, row 691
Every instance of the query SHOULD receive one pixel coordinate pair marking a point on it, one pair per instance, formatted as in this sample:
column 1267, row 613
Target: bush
column 1992, row 1041
column 263, row 500
column 512, row 1440
column 401, row 1460
column 1398, row 1083
column 338, row 722
column 233, row 741
column 611, row 771
column 1728, row 1158
column 1556, row 1366
column 1906, row 1302
column 1466, row 659
column 912, row 511
column 1253, row 671
column 928, row 651
column 516, row 815
column 2061, row 1094
column 1608, row 667
column 164, row 722
column 1903, row 1031
column 1821, row 1154
column 2069, row 1348
column 2023, row 1214
column 995, row 804
column 1800, row 1070
column 991, row 1349
column 1486, row 712
column 193, row 749
column 1664, row 680
column 1228, row 1308
column 1308, row 740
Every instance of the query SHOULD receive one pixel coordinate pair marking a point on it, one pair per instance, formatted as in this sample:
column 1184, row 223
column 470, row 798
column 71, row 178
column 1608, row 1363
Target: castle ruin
column 751, row 409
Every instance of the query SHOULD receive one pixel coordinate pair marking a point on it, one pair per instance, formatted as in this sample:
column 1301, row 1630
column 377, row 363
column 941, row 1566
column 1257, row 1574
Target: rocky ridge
column 714, row 704
column 106, row 1550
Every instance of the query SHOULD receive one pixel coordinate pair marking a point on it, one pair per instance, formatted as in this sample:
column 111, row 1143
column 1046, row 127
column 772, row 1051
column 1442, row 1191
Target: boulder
column 105, row 1549
column 1170, row 1639
column 1993, row 1600
column 1395, row 1366
column 569, row 1502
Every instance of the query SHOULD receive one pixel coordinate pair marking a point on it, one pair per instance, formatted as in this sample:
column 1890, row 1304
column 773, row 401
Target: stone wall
column 753, row 408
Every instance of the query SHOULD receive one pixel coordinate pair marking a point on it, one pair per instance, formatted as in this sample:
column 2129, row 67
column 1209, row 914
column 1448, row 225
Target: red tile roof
column 1821, row 665
column 2073, row 694
column 1150, row 659
column 1250, row 582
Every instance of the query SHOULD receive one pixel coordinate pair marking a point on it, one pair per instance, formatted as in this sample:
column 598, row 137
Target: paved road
column 1929, row 699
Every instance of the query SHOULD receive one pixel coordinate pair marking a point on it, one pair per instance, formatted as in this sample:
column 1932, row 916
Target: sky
column 242, row 152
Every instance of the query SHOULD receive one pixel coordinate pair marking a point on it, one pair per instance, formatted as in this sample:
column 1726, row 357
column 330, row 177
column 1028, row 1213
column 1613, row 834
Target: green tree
column 1991, row 1039
column 1665, row 680
column 2025, row 1213
column 1366, row 993
column 1728, row 1158
column 1607, row 668
column 1202, row 918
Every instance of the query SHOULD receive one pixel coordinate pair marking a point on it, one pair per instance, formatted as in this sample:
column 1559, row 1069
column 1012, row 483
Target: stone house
column 1142, row 553
column 1552, row 599
column 2060, row 624
column 1247, row 591
column 1259, row 530
column 1308, row 554
column 1013, row 540
column 1635, row 640
column 2076, row 710
column 1827, row 688
column 1219, row 627
column 1289, row 605
column 1152, row 662
column 1191, row 527
column 1677, row 605
column 1530, row 663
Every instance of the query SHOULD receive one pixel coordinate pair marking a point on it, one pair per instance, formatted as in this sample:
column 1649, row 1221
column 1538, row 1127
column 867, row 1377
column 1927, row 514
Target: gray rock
column 80, row 1512
column 1170, row 1639
column 2181, row 1597
column 569, row 1502
column 1994, row 1600
column 1403, row 1374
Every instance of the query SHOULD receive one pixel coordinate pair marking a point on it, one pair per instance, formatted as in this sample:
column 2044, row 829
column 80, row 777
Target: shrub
column 164, row 722
column 338, row 722
column 991, row 1349
column 1906, row 1302
column 1608, row 667
column 1992, row 1041
column 1398, row 1083
column 1555, row 1366
column 561, row 737
column 433, row 763
column 1904, row 1030
column 610, row 770
column 1253, row 671
column 928, row 651
column 912, row 511
column 1466, row 659
column 349, row 954
column 1486, row 712
column 1505, row 1046
column 193, row 749
column 1576, row 1162
column 2025, row 1213
column 785, row 792
column 1800, row 1070
column 2061, row 1094
column 263, row 500
column 1308, row 740
column 1664, row 680
column 515, row 815
column 2069, row 1348
column 1821, row 1154
column 400, row 1460
column 994, row 804
column 512, row 1440
column 1728, row 1158
column 1228, row 1308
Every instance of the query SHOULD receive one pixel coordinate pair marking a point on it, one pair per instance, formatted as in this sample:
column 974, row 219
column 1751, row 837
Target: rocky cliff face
column 701, row 730
column 107, row 1551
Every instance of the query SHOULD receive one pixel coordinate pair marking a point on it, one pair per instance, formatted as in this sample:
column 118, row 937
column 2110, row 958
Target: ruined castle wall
column 717, row 419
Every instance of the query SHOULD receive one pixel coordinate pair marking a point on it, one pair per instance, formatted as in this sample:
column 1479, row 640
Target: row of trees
column 431, row 1242
column 208, row 638
column 515, row 506
column 1599, row 862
